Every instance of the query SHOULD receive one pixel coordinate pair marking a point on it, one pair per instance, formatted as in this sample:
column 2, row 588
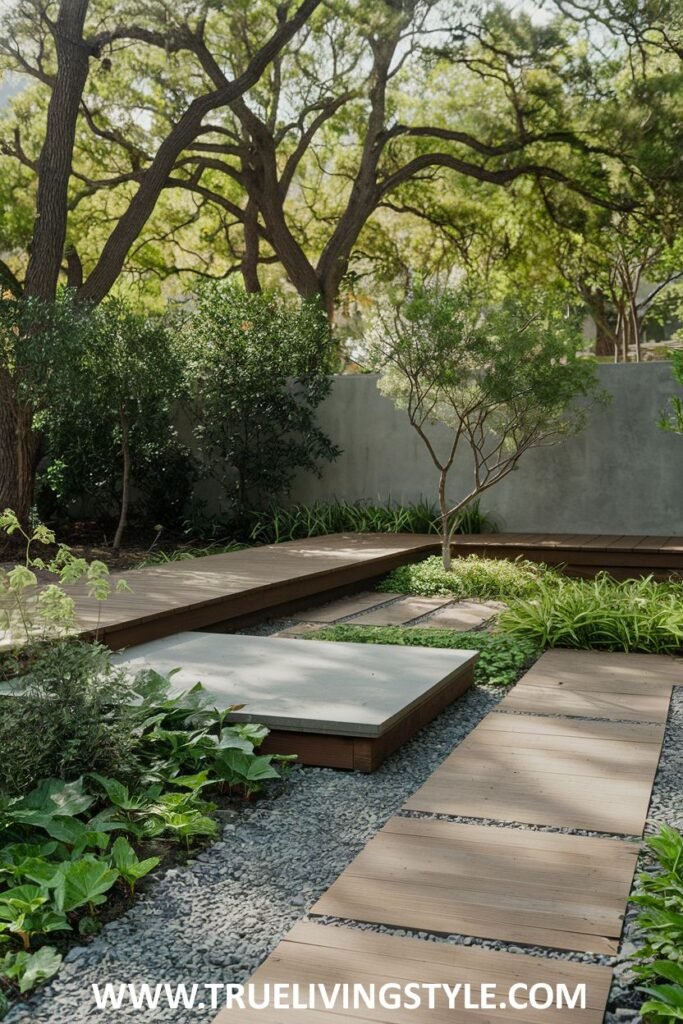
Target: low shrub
column 633, row 615
column 472, row 576
column 296, row 522
column 502, row 659
column 69, row 844
column 660, row 897
column 71, row 713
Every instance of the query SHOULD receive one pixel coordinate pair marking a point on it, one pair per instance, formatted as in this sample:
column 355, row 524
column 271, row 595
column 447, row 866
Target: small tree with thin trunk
column 502, row 377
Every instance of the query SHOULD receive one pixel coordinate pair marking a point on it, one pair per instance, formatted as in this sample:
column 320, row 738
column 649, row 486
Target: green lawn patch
column 502, row 659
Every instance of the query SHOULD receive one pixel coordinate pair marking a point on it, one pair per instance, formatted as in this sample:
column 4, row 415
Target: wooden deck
column 224, row 591
column 220, row 592
column 582, row 554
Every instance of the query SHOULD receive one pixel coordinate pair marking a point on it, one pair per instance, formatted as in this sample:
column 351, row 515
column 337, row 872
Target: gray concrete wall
column 621, row 475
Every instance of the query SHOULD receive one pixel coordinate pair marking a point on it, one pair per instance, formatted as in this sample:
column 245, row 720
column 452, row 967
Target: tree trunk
column 250, row 259
column 18, row 452
column 125, row 481
column 18, row 440
column 54, row 163
column 604, row 337
column 445, row 525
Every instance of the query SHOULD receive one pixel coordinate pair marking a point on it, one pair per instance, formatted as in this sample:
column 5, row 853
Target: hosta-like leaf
column 83, row 882
column 55, row 797
column 28, row 969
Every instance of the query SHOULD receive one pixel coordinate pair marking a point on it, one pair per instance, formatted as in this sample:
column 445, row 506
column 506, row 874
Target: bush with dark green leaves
column 70, row 712
column 258, row 367
column 69, row 843
column 110, row 443
column 502, row 659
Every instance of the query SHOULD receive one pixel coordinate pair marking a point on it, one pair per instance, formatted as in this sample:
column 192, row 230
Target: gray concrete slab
column 303, row 685
column 462, row 615
column 400, row 612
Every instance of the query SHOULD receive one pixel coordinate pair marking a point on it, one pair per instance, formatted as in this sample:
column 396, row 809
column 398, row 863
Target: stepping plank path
column 599, row 685
column 400, row 612
column 334, row 610
column 513, row 884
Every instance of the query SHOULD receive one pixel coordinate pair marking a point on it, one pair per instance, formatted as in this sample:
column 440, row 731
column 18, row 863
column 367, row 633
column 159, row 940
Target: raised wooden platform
column 339, row 705
column 582, row 554
column 220, row 592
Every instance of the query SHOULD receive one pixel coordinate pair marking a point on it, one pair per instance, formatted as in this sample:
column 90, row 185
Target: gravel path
column 216, row 919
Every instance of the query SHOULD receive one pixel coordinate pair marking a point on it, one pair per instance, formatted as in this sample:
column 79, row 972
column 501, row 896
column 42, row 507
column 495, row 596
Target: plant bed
column 73, row 849
column 600, row 614
column 469, row 577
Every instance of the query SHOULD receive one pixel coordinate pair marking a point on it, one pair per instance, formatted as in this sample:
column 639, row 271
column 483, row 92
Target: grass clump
column 276, row 524
column 602, row 614
column 472, row 576
column 502, row 659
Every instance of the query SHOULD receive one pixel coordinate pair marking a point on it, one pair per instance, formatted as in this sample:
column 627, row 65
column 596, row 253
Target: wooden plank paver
column 578, row 783
column 334, row 610
column 598, row 685
column 607, row 671
column 402, row 611
column 312, row 954
column 565, row 892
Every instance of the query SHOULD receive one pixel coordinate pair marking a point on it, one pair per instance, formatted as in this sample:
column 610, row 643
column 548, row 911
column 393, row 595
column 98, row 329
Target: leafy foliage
column 67, row 709
column 70, row 713
column 660, row 897
column 91, row 758
column 502, row 659
column 258, row 371
column 276, row 524
column 673, row 419
column 633, row 615
column 499, row 377
column 472, row 576
column 108, row 423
